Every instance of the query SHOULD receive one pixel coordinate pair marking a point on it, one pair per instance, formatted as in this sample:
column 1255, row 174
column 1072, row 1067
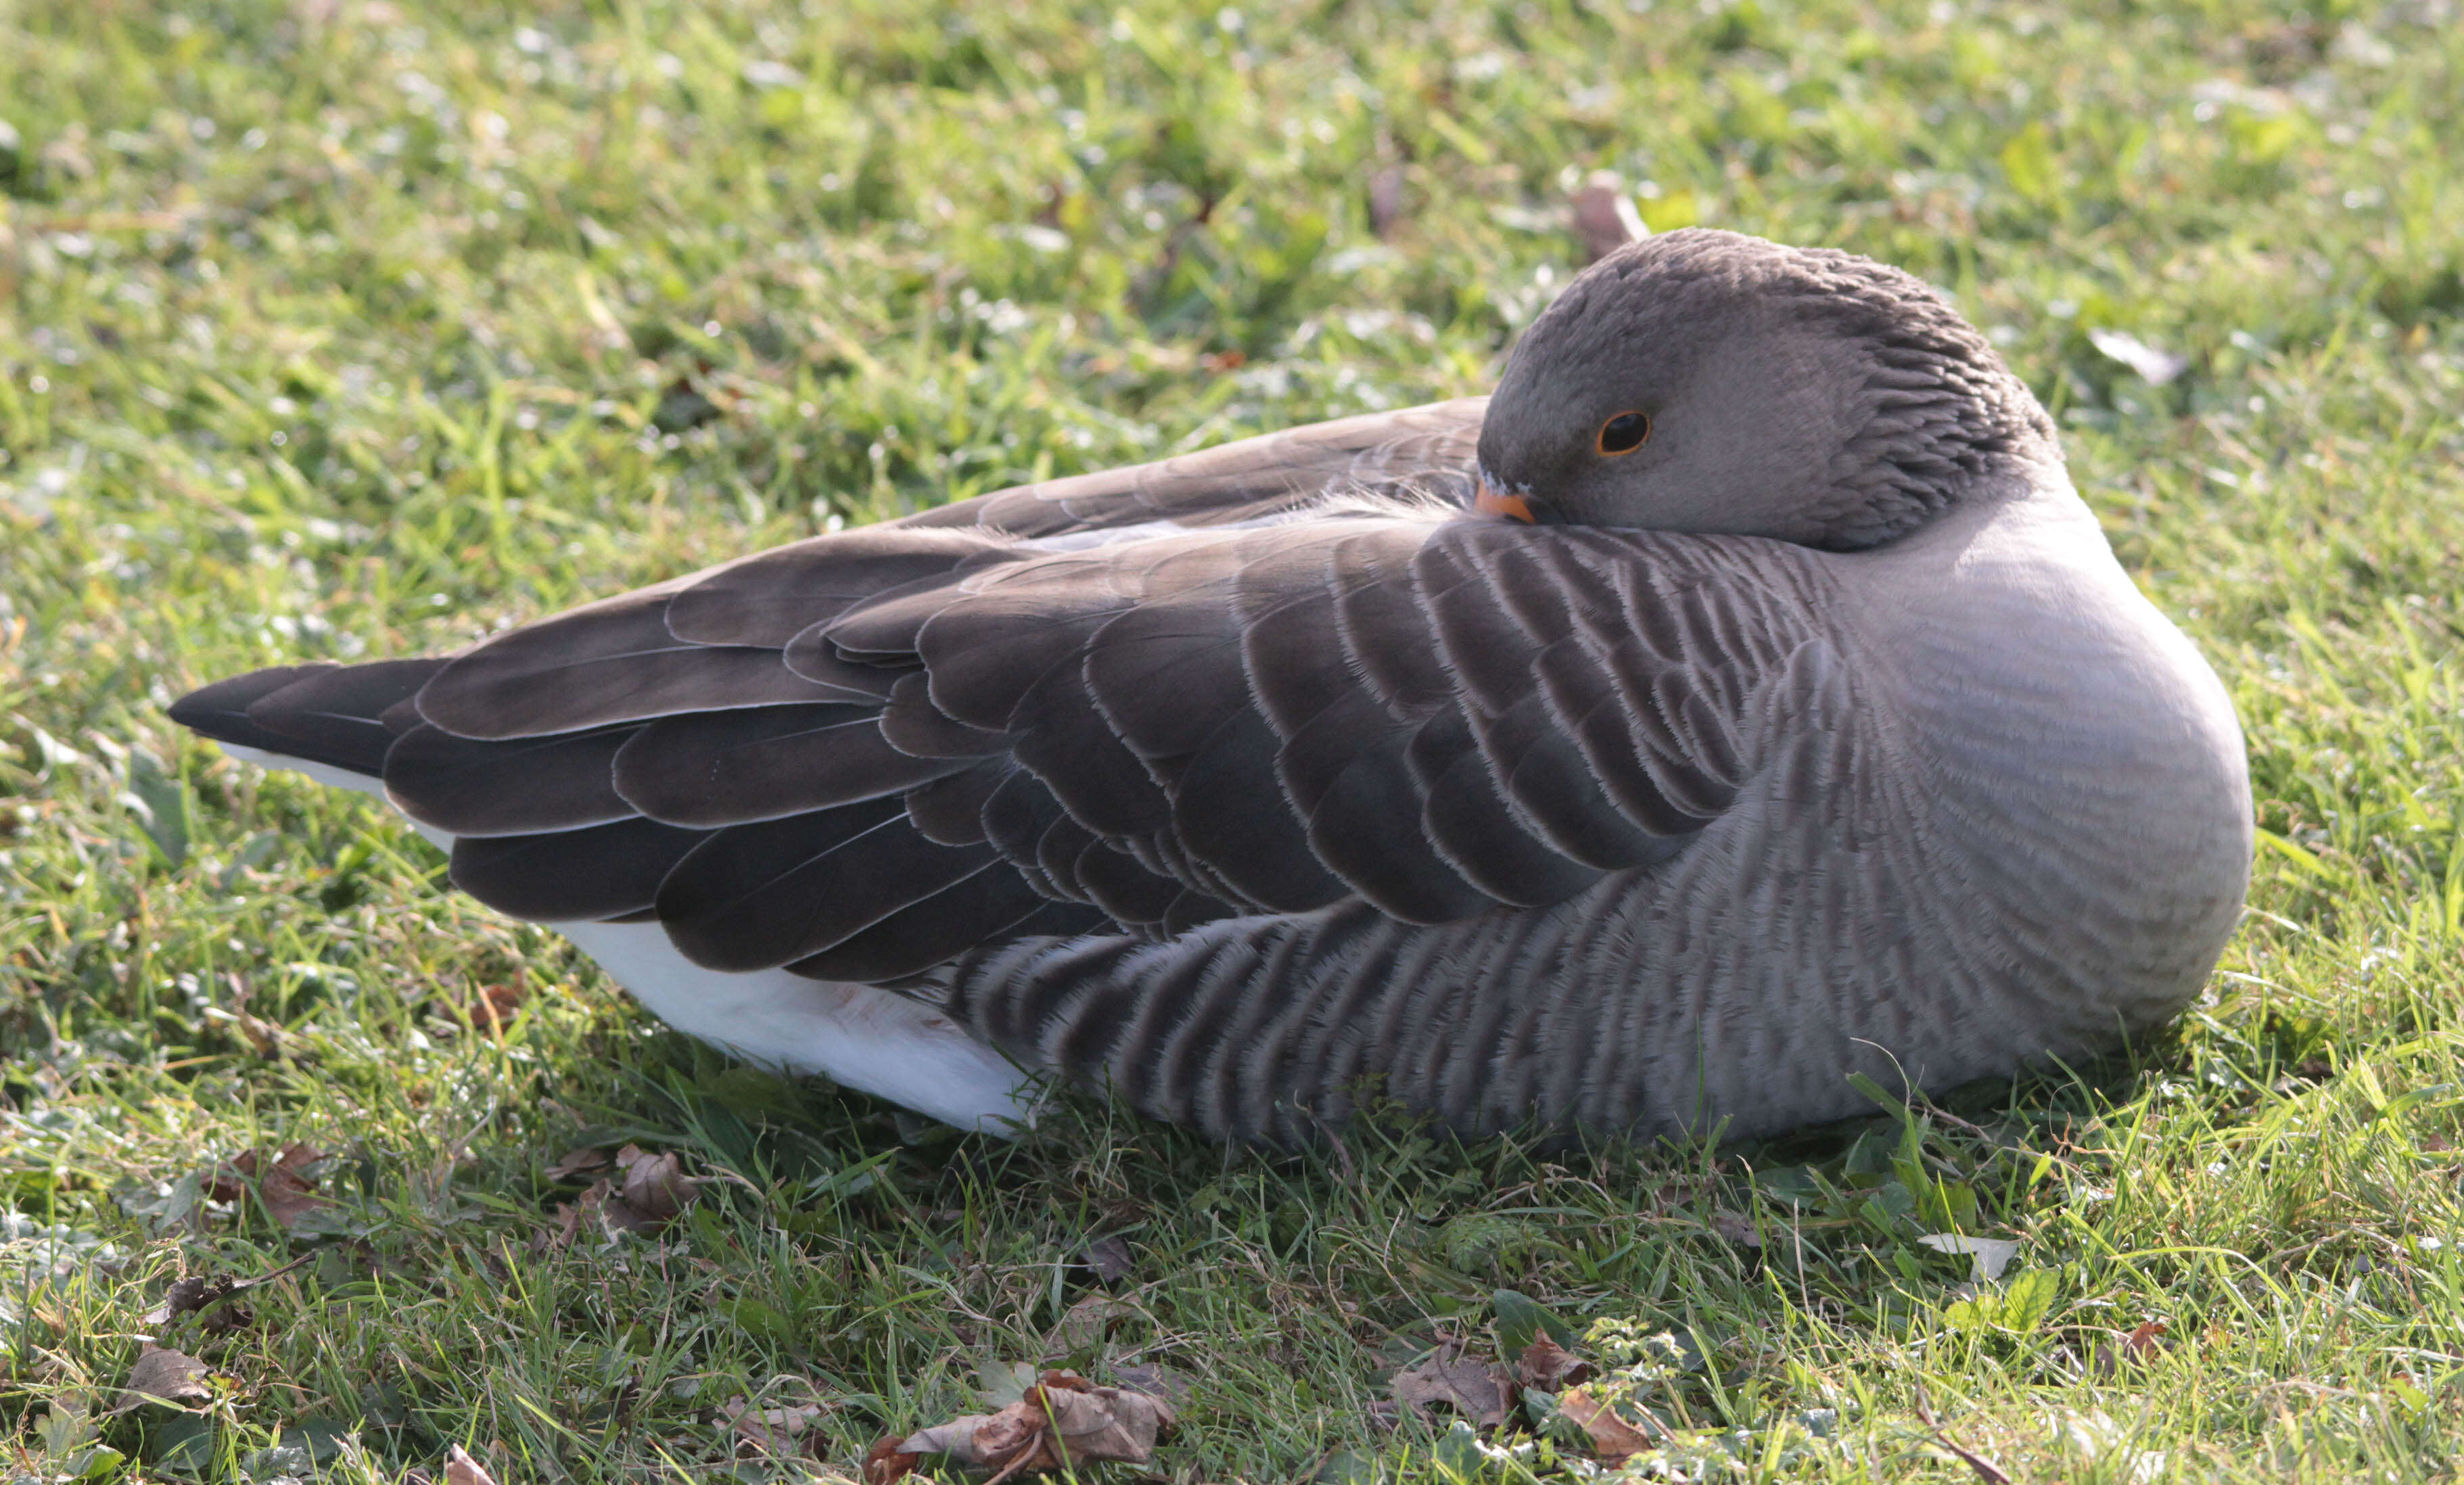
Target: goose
column 1738, row 700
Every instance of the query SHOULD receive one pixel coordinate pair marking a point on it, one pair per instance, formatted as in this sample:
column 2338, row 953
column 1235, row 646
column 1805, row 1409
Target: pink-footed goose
column 1739, row 699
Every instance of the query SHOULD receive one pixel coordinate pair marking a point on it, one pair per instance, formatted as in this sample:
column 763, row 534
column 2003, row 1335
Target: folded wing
column 1135, row 702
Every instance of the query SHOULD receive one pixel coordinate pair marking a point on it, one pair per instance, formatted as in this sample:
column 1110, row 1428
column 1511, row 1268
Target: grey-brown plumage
column 1814, row 732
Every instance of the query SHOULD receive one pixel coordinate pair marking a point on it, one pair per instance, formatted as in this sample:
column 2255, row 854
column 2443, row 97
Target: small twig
column 1986, row 1469
column 267, row 1278
column 1335, row 1138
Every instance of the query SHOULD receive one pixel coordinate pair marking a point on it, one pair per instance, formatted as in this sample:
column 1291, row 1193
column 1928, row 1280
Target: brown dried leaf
column 1064, row 1421
column 575, row 1161
column 189, row 1295
column 1547, row 1366
column 776, row 1432
column 1098, row 1422
column 460, row 1469
column 1090, row 1320
column 885, row 1463
column 492, row 1006
column 161, row 1375
column 203, row 1292
column 957, row 1437
column 1735, row 1227
column 1668, row 1196
column 288, row 1199
column 280, row 1185
column 1009, row 1440
column 1611, row 1438
column 1476, row 1389
column 1605, row 217
column 656, row 1187
column 2106, row 1358
column 602, row 1205
column 569, row 1226
column 1107, row 1259
column 1155, row 1380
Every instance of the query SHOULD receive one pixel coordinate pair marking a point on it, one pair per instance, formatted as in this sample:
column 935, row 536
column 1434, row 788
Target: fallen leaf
column 1155, row 1380
column 1476, row 1389
column 1549, row 1368
column 460, row 1469
column 1990, row 1256
column 655, row 1186
column 1107, row 1259
column 280, row 1185
column 162, row 1375
column 1009, row 1440
column 654, row 1190
column 490, row 1006
column 569, row 1226
column 1736, row 1227
column 203, row 1292
column 575, row 1161
column 885, row 1462
column 2145, row 1342
column 1063, row 1421
column 613, row 1212
column 1605, row 216
column 1669, row 1196
column 1090, row 1320
column 776, row 1432
column 1103, row 1423
column 193, row 1293
column 1611, row 1438
column 2108, row 1355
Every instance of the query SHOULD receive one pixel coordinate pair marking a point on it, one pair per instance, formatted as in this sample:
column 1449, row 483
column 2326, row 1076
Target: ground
column 360, row 327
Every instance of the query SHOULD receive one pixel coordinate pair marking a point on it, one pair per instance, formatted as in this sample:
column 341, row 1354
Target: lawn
column 360, row 327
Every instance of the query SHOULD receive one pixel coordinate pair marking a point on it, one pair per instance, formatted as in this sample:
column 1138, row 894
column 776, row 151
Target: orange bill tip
column 1488, row 502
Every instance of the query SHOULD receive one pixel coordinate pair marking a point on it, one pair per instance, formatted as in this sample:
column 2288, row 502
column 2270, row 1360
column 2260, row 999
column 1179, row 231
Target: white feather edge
column 860, row 1036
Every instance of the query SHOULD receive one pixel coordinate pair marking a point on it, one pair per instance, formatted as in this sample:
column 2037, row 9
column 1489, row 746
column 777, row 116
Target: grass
column 357, row 328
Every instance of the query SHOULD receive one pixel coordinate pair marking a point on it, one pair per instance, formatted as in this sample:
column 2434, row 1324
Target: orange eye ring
column 1623, row 434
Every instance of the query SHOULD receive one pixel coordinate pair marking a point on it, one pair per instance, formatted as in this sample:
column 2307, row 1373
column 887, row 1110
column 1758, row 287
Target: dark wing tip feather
column 320, row 713
column 219, row 709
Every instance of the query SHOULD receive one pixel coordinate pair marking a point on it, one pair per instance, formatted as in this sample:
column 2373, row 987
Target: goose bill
column 1488, row 500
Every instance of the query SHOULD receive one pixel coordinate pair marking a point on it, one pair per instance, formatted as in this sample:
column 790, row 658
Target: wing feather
column 569, row 876
column 1145, row 699
column 710, row 769
column 466, row 788
column 757, row 896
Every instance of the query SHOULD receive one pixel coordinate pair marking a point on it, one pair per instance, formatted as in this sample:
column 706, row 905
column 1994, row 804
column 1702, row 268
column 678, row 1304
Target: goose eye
column 1624, row 433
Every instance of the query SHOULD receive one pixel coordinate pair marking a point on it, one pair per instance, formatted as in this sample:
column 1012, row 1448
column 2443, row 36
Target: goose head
column 1707, row 381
